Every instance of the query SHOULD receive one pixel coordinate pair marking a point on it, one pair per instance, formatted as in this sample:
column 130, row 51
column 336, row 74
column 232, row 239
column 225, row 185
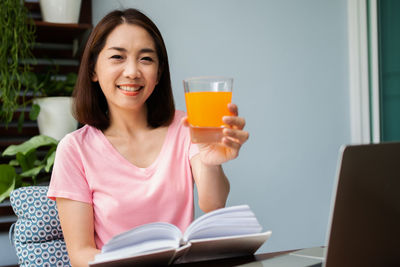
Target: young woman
column 133, row 161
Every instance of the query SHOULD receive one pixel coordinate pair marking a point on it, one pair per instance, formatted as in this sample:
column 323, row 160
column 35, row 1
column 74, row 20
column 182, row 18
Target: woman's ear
column 94, row 77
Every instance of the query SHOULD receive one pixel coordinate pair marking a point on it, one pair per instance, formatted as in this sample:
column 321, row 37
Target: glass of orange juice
column 207, row 100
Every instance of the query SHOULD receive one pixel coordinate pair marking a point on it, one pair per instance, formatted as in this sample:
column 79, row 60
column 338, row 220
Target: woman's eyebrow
column 147, row 50
column 120, row 49
column 143, row 50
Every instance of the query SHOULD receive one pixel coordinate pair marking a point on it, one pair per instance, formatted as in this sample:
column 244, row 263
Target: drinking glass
column 207, row 101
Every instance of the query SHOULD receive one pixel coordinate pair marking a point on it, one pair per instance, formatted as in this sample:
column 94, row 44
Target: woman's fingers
column 233, row 109
column 234, row 122
column 233, row 144
column 238, row 135
column 185, row 121
column 234, row 134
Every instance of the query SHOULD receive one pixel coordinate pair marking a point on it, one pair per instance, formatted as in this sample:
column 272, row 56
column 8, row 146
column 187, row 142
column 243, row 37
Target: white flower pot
column 55, row 117
column 60, row 11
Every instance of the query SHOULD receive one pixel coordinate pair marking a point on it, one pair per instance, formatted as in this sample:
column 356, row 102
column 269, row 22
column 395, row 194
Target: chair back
column 37, row 236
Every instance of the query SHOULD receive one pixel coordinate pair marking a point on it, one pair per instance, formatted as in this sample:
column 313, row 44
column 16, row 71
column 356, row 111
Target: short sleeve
column 68, row 178
column 193, row 150
column 183, row 133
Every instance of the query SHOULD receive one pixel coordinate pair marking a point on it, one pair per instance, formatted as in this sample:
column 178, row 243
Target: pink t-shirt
column 88, row 168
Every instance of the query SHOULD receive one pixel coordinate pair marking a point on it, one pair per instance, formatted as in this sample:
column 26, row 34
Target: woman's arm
column 212, row 184
column 78, row 228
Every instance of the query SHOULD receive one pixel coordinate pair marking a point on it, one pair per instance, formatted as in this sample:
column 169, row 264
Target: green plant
column 49, row 84
column 17, row 38
column 27, row 165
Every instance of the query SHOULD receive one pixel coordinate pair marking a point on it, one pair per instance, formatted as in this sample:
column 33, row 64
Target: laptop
column 365, row 214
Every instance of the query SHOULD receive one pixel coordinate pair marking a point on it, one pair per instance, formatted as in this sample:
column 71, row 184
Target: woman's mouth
column 130, row 90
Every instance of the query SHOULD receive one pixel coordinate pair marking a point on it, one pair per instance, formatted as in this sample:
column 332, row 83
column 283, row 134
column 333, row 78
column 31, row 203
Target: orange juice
column 205, row 112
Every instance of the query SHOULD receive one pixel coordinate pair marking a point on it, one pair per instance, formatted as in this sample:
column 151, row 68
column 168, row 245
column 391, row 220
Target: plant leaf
column 21, row 121
column 50, row 161
column 34, row 113
column 26, row 161
column 50, row 152
column 33, row 143
column 29, row 79
column 13, row 162
column 7, row 180
column 22, row 160
column 32, row 172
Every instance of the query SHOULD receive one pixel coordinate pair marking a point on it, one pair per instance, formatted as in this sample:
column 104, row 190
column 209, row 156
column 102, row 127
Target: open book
column 226, row 232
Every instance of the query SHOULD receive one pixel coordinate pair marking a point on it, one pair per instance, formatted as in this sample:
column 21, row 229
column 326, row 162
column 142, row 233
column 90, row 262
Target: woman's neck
column 127, row 123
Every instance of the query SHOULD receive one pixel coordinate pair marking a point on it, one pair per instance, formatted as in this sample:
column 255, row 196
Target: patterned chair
column 37, row 235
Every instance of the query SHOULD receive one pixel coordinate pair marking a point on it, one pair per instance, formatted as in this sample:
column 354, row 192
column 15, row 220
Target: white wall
column 289, row 61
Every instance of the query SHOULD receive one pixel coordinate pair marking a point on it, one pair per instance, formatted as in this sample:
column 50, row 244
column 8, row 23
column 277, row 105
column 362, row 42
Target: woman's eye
column 149, row 59
column 116, row 57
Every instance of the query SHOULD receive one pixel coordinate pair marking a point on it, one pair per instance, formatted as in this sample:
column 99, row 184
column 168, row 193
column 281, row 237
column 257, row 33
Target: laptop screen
column 365, row 220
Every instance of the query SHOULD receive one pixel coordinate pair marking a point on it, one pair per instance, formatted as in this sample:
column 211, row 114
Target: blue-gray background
column 289, row 61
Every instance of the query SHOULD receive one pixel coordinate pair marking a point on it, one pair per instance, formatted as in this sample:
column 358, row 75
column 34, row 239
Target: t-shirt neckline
column 147, row 170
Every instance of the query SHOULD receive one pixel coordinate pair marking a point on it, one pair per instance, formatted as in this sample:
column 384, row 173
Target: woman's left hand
column 233, row 138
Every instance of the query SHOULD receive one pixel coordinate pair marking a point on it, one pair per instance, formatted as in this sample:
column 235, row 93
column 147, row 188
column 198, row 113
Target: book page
column 236, row 220
column 138, row 249
column 152, row 233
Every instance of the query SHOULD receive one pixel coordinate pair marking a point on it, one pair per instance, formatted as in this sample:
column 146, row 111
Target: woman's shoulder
column 180, row 135
column 179, row 114
column 177, row 121
column 177, row 126
column 81, row 136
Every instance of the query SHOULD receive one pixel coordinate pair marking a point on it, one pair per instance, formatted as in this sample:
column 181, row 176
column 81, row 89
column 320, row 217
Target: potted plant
column 17, row 38
column 52, row 105
column 28, row 164
column 60, row 11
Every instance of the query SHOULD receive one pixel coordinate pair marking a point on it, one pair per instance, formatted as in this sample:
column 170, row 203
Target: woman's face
column 127, row 68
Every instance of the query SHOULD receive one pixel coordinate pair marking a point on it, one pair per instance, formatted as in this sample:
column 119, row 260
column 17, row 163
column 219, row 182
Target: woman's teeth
column 129, row 88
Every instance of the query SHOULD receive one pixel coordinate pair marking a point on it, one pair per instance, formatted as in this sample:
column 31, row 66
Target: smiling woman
column 127, row 66
column 96, row 112
column 133, row 162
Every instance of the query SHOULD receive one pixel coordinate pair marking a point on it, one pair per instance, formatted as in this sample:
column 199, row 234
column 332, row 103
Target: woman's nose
column 131, row 70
